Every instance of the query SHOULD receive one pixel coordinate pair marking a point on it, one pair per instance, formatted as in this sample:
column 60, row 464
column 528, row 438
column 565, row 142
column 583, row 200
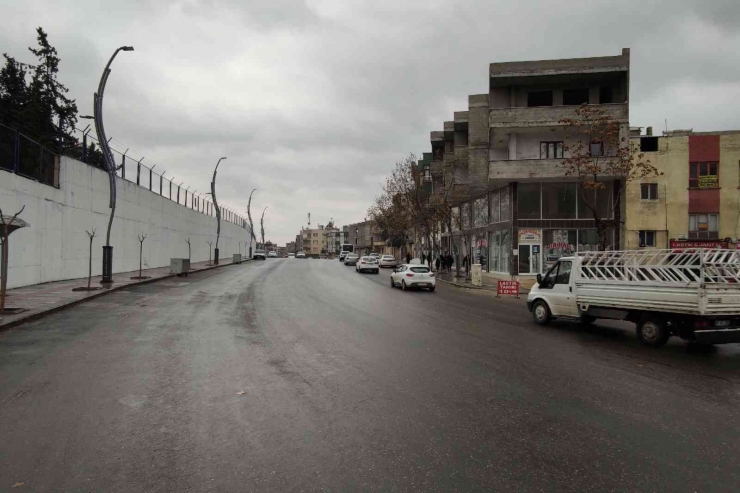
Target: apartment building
column 313, row 241
column 500, row 161
column 695, row 200
column 361, row 236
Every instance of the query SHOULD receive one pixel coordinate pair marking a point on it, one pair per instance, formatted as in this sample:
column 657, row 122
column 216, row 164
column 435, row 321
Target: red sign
column 698, row 244
column 508, row 288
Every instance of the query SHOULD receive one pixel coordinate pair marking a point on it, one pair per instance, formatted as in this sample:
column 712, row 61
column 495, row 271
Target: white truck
column 693, row 294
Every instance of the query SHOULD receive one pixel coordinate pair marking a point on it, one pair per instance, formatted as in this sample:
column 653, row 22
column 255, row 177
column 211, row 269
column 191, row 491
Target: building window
column 539, row 98
column 499, row 247
column 575, row 97
column 649, row 144
column 606, row 95
column 551, row 150
column 703, row 175
column 703, row 226
column 649, row 191
column 647, row 238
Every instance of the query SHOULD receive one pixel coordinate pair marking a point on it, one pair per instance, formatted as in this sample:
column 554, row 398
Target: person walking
column 423, row 258
column 465, row 263
column 438, row 262
column 408, row 258
column 450, row 261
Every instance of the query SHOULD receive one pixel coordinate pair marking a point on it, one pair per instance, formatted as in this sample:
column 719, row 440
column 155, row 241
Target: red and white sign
column 508, row 288
column 679, row 245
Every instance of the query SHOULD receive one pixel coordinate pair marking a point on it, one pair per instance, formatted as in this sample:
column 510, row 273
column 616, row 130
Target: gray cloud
column 314, row 101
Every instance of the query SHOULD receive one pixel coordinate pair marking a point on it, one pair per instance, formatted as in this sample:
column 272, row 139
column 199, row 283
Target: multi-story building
column 299, row 242
column 335, row 237
column 291, row 247
column 695, row 200
column 313, row 241
column 516, row 211
column 361, row 236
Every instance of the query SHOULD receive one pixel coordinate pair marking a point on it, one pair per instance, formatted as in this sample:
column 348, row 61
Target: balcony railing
column 540, row 116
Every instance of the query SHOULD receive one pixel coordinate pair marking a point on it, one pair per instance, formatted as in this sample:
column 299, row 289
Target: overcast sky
column 313, row 101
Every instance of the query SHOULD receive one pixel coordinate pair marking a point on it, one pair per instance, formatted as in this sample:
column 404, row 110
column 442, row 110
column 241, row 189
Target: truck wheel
column 541, row 313
column 587, row 319
column 652, row 332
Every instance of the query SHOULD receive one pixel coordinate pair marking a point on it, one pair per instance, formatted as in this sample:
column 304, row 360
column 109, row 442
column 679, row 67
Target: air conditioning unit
column 683, row 237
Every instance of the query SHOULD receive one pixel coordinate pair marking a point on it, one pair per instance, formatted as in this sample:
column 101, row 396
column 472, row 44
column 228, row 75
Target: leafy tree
column 600, row 154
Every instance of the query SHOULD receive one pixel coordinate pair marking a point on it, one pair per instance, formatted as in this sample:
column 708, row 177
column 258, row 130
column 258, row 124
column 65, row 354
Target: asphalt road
column 300, row 375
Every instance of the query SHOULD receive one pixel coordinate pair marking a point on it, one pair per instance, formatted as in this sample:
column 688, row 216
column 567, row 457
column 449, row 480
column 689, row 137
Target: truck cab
column 556, row 292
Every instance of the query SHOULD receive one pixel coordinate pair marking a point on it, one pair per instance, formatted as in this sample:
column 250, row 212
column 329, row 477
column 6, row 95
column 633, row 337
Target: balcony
column 436, row 168
column 505, row 171
column 541, row 116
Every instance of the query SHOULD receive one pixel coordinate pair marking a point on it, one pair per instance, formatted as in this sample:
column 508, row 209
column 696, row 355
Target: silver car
column 387, row 261
column 351, row 259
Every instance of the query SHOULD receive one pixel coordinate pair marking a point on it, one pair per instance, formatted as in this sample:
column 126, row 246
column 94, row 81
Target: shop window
column 649, row 191
column 588, row 240
column 558, row 243
column 505, row 204
column 575, row 97
column 559, row 200
column 529, row 201
column 703, row 226
column 539, row 98
column 480, row 212
column 647, row 238
column 499, row 248
column 495, row 207
column 703, row 175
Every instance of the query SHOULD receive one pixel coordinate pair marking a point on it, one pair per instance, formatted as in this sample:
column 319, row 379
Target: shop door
column 529, row 259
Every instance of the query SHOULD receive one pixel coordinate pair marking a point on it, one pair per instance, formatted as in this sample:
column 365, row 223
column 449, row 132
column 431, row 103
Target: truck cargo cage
column 697, row 265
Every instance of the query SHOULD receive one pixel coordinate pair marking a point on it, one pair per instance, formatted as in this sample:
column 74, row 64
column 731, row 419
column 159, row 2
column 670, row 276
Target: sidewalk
column 461, row 282
column 42, row 299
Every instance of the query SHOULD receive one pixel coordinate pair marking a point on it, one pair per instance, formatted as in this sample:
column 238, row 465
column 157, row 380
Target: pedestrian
column 423, row 258
column 437, row 262
column 450, row 261
column 465, row 263
column 408, row 258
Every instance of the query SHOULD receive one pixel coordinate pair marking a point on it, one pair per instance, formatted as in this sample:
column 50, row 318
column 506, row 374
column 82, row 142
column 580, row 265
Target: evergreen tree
column 13, row 93
column 48, row 105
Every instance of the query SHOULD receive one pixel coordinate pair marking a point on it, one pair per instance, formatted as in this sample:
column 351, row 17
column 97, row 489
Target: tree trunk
column 141, row 249
column 89, row 267
column 4, row 270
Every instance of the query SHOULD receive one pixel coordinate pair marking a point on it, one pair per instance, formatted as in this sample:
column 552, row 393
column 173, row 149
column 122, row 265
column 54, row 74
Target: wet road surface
column 301, row 375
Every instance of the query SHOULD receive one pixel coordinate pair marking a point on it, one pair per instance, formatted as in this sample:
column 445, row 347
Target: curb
column 35, row 316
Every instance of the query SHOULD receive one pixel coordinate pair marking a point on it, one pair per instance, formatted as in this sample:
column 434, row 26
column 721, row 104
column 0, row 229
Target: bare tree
column 141, row 238
column 601, row 153
column 210, row 244
column 189, row 252
column 91, row 236
column 6, row 255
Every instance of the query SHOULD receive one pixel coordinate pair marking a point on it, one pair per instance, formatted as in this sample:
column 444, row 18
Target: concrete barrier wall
column 55, row 246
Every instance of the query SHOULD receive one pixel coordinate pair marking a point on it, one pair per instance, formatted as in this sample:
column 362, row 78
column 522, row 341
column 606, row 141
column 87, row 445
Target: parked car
column 375, row 255
column 387, row 261
column 259, row 255
column 367, row 263
column 300, row 255
column 351, row 259
column 272, row 254
column 413, row 276
column 343, row 255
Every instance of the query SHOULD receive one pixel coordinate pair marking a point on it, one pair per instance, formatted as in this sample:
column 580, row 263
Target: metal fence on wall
column 152, row 178
column 22, row 155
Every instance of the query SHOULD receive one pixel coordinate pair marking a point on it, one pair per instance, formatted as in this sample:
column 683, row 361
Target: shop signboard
column 681, row 245
column 529, row 236
column 708, row 181
column 509, row 288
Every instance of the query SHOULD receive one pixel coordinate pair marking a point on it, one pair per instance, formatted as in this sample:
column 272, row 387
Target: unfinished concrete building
column 518, row 211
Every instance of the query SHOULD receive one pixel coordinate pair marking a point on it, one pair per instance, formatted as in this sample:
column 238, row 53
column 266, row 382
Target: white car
column 367, row 263
column 413, row 276
column 259, row 254
column 387, row 261
column 272, row 254
column 300, row 255
column 291, row 255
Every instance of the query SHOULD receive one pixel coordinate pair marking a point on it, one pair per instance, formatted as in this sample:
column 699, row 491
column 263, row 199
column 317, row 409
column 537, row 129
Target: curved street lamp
column 251, row 224
column 262, row 227
column 218, row 211
column 109, row 163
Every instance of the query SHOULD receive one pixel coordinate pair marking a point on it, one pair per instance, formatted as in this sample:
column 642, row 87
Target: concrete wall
column 55, row 247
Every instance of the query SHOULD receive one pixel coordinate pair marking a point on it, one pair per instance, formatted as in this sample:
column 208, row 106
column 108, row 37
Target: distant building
column 696, row 197
column 361, row 236
column 291, row 247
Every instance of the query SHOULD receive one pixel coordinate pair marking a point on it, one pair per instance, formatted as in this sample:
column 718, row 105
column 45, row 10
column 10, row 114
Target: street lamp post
column 110, row 165
column 218, row 211
column 251, row 224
